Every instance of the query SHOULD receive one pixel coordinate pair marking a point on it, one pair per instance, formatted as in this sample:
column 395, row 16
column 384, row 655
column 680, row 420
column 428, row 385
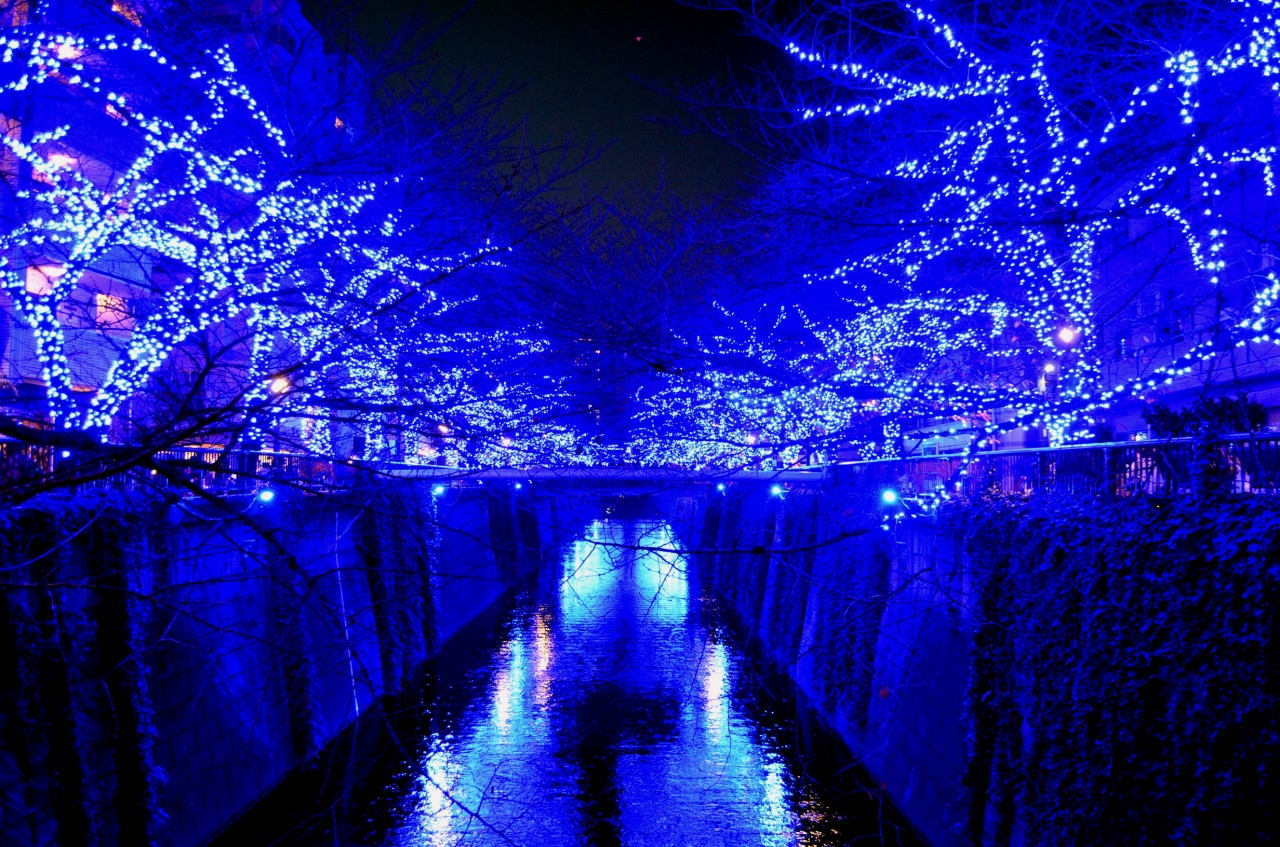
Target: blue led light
column 889, row 496
column 266, row 495
column 438, row 490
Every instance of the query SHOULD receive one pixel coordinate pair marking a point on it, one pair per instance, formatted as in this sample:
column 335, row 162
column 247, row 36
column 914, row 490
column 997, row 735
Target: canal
column 610, row 704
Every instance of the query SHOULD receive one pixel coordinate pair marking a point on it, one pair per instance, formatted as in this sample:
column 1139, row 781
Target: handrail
column 1243, row 463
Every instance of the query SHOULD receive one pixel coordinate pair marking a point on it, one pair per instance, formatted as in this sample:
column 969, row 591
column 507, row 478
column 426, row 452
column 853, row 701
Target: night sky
column 583, row 70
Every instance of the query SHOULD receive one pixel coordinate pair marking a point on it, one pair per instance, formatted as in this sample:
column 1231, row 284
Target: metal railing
column 223, row 472
column 209, row 469
column 1170, row 467
column 1239, row 463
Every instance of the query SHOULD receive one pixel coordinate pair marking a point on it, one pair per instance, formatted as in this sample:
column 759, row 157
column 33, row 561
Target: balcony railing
column 1170, row 467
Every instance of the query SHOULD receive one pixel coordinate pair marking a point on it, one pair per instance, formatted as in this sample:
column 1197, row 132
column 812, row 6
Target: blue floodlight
column 777, row 490
column 889, row 496
column 266, row 495
column 438, row 490
column 720, row 487
column 519, row 486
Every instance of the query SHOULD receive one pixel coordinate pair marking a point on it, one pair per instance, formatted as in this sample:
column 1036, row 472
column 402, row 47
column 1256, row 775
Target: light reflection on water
column 608, row 720
column 614, row 711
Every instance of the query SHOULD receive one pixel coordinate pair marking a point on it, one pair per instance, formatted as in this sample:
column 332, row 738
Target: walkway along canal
column 610, row 704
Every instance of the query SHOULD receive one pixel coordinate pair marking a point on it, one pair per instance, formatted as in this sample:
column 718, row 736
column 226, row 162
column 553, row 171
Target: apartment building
column 117, row 287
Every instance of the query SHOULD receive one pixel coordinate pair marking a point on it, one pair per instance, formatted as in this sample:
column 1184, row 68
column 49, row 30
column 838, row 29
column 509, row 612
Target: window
column 40, row 278
column 55, row 162
column 127, row 10
column 14, row 13
column 112, row 312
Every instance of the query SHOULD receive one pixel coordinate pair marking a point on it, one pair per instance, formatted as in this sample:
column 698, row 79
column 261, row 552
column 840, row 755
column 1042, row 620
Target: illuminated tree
column 967, row 171
column 281, row 246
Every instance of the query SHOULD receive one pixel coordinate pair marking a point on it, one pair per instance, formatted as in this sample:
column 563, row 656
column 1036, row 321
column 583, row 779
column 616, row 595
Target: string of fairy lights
column 1033, row 193
column 312, row 267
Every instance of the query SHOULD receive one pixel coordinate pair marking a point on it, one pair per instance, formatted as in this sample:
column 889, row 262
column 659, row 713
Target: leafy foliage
column 1124, row 681
column 1206, row 416
column 398, row 534
column 73, row 656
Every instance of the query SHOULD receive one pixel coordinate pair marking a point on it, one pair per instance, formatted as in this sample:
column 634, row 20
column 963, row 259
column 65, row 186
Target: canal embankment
column 1059, row 669
column 1051, row 670
column 166, row 663
column 611, row 703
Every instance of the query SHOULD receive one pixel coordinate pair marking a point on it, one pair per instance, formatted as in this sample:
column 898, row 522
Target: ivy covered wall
column 1125, row 673
column 1048, row 671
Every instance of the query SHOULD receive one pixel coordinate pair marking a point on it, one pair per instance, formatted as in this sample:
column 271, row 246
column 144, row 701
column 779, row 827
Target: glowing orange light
column 40, row 278
column 127, row 11
column 112, row 312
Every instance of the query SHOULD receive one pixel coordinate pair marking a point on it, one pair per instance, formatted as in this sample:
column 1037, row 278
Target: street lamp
column 1049, row 379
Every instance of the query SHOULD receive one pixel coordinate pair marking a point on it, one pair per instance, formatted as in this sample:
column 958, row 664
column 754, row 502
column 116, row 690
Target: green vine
column 75, row 623
column 397, row 537
column 117, row 559
column 1124, row 679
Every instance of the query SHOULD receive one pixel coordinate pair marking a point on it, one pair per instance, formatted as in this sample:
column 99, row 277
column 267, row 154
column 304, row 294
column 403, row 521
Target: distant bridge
column 606, row 475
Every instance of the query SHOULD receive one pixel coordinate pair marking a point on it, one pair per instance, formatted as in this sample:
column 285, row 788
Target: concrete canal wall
column 165, row 666
column 1053, row 670
column 873, row 625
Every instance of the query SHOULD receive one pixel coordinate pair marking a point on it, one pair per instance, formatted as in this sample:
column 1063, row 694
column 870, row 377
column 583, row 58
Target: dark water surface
column 612, row 705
